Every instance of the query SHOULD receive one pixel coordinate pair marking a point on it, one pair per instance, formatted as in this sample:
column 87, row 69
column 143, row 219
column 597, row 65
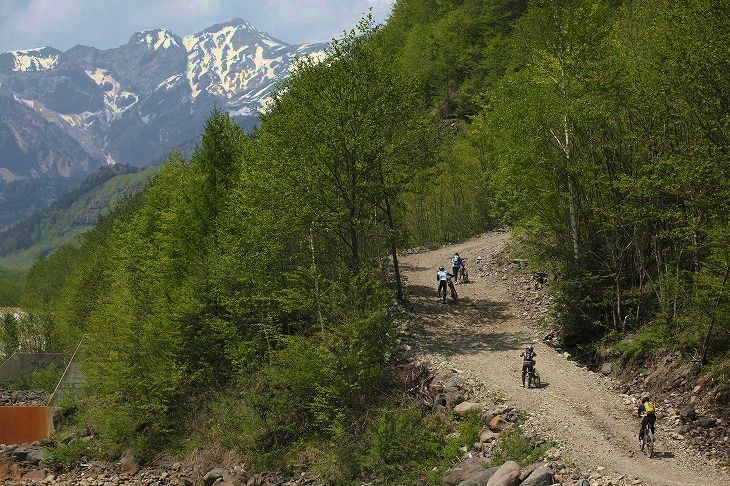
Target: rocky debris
column 687, row 410
column 24, row 398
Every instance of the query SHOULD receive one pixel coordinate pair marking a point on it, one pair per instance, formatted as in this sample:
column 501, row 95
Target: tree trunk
column 393, row 249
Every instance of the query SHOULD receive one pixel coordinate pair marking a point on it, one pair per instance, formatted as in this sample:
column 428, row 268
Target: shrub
column 514, row 446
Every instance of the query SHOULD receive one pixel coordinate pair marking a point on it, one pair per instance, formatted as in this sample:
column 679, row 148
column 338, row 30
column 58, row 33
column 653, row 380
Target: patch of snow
column 243, row 111
column 159, row 38
column 114, row 94
column 34, row 59
column 169, row 82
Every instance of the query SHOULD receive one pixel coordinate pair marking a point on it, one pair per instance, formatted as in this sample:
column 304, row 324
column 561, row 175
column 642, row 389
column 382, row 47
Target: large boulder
column 706, row 422
column 542, row 476
column 466, row 407
column 687, row 411
column 35, row 476
column 507, row 475
column 499, row 424
column 487, row 435
column 31, row 454
column 129, row 464
column 214, row 475
column 465, row 470
column 481, row 478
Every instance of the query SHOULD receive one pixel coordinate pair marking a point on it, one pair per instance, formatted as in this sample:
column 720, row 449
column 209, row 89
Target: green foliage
column 606, row 145
column 402, row 445
column 62, row 456
column 10, row 337
column 512, row 445
column 68, row 217
column 43, row 378
column 263, row 266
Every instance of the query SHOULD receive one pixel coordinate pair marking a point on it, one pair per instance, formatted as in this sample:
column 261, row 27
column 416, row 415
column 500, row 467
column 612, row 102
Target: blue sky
column 109, row 23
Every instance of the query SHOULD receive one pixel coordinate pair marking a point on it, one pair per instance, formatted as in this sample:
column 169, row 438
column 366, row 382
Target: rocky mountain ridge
column 63, row 114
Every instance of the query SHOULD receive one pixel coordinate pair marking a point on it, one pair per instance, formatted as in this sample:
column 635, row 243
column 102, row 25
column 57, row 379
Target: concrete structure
column 19, row 362
column 26, row 424
column 72, row 378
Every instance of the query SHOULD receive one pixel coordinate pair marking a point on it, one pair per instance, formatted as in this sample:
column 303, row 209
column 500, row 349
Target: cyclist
column 442, row 277
column 649, row 410
column 456, row 264
column 528, row 363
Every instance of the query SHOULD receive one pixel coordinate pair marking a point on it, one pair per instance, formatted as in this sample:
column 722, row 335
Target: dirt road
column 482, row 337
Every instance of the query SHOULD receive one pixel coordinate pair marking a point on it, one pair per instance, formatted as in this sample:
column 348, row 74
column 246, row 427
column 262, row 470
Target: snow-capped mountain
column 65, row 113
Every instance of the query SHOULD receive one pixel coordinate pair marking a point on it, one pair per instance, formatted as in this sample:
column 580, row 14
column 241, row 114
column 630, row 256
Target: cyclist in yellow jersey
column 649, row 410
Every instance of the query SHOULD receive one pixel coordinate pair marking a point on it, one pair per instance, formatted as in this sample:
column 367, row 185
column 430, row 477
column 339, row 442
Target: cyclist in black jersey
column 528, row 362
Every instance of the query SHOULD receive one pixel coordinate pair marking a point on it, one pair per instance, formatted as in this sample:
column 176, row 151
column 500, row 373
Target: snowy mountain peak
column 157, row 39
column 30, row 60
column 237, row 23
column 136, row 102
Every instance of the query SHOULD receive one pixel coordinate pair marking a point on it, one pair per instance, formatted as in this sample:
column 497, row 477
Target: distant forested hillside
column 72, row 214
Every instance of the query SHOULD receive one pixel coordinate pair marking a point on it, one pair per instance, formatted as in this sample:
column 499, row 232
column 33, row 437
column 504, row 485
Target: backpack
column 649, row 408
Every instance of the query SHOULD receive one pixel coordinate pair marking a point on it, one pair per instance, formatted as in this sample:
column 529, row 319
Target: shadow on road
column 462, row 327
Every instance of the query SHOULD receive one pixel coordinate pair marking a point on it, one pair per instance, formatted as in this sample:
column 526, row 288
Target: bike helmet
column 644, row 398
column 441, row 269
column 531, row 348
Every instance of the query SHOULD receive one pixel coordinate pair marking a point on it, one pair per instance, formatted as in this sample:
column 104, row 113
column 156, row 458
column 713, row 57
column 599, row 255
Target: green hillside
column 246, row 297
column 73, row 214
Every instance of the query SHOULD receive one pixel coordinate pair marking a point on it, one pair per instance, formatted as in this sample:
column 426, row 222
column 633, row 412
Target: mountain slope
column 74, row 213
column 63, row 114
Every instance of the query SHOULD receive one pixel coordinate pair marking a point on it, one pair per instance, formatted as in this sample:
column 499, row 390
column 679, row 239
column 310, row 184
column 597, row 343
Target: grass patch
column 512, row 445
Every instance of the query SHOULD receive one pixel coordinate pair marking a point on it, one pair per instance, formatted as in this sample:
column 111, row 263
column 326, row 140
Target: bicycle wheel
column 465, row 276
column 649, row 442
column 536, row 380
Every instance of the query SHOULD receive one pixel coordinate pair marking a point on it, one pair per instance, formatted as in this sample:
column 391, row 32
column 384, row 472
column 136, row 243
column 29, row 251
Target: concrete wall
column 19, row 362
column 71, row 380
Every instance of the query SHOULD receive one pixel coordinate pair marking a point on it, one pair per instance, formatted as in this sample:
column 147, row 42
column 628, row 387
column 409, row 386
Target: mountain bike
column 452, row 288
column 648, row 447
column 533, row 378
column 463, row 273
